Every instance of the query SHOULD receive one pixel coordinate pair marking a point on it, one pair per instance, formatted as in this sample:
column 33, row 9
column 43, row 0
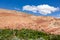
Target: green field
column 26, row 34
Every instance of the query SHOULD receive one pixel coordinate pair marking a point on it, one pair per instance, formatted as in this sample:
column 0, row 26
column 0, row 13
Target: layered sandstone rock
column 10, row 19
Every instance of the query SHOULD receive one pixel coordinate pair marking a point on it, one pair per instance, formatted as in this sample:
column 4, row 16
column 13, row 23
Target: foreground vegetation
column 26, row 34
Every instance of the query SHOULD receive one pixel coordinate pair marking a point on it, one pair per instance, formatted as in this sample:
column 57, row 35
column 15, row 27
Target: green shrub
column 26, row 34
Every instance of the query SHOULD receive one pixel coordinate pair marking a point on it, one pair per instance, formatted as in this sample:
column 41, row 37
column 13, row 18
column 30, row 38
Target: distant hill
column 11, row 19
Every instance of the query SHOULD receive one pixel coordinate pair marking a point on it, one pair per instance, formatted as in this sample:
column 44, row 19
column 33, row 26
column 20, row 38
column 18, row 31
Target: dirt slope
column 10, row 19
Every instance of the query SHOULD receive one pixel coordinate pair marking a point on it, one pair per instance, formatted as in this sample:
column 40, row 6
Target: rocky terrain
column 11, row 19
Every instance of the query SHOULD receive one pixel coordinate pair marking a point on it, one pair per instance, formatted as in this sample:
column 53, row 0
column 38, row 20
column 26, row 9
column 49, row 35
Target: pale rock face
column 10, row 19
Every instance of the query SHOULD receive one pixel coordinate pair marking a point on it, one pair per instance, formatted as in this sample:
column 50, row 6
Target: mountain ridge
column 11, row 19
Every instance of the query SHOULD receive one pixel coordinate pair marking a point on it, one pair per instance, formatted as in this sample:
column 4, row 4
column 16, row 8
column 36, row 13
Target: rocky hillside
column 11, row 19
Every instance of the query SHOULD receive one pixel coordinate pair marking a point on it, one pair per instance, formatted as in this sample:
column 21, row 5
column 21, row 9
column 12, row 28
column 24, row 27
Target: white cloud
column 42, row 9
column 30, row 8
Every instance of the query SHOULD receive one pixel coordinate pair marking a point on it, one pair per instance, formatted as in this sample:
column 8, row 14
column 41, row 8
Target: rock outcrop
column 11, row 19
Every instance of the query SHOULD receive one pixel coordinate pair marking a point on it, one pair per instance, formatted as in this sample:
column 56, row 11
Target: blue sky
column 19, row 4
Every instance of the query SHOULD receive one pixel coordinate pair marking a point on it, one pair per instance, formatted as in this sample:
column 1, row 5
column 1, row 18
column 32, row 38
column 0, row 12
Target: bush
column 26, row 34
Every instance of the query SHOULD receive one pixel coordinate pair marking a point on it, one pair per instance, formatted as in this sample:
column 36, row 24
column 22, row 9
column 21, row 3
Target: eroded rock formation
column 10, row 19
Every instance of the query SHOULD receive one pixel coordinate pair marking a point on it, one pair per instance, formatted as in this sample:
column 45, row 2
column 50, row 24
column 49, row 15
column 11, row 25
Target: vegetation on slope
column 26, row 34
